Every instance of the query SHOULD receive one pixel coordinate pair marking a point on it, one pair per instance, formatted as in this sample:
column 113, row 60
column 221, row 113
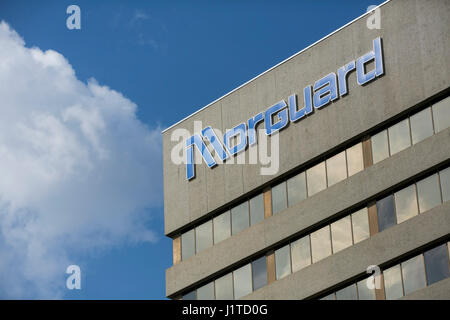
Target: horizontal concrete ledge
column 437, row 291
column 378, row 250
column 338, row 199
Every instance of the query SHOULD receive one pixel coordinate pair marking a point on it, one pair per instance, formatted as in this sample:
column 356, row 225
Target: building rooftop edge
column 278, row 64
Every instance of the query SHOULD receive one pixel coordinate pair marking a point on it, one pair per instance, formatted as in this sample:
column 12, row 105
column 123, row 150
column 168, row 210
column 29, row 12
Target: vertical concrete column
column 367, row 152
column 176, row 250
column 270, row 256
column 270, row 260
column 267, row 203
column 379, row 293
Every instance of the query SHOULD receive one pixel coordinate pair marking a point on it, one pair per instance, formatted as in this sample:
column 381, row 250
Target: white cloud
column 77, row 169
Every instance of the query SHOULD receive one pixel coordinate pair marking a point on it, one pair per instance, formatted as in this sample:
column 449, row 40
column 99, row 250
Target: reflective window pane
column 436, row 264
column 444, row 176
column 320, row 244
column 399, row 138
column 421, row 125
column 364, row 293
column 259, row 271
column 406, row 203
column 187, row 244
column 360, row 225
column 296, row 189
column 242, row 280
column 279, row 200
column 441, row 114
column 300, row 253
column 203, row 236
column 206, row 292
column 393, row 283
column 239, row 218
column 189, row 296
column 336, row 168
column 380, row 147
column 316, row 179
column 256, row 209
column 386, row 213
column 413, row 274
column 224, row 287
column 428, row 193
column 222, row 227
column 329, row 297
column 347, row 293
column 283, row 262
column 355, row 161
column 341, row 234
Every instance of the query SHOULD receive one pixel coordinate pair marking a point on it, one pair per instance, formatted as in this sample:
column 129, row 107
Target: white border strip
column 294, row 55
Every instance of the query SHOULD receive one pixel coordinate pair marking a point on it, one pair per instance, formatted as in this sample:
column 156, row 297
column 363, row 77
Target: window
column 189, row 296
column 203, row 236
column 421, row 125
column 429, row 193
column 347, row 293
column 296, row 189
column 355, row 161
column 360, row 225
column 444, row 176
column 224, row 287
column 256, row 209
column 341, row 234
column 282, row 262
column 386, row 213
column 320, row 244
column 222, row 227
column 436, row 264
column 187, row 244
column 399, row 138
column 380, row 147
column 329, row 297
column 393, row 283
column 279, row 200
column 259, row 273
column 406, row 203
column 316, row 179
column 364, row 293
column 336, row 168
column 242, row 280
column 441, row 115
column 300, row 253
column 413, row 274
column 239, row 218
column 206, row 292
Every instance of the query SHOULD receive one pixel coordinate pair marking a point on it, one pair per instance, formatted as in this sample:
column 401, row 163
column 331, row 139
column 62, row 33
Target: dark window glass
column 259, row 273
column 386, row 213
column 189, row 296
column 436, row 264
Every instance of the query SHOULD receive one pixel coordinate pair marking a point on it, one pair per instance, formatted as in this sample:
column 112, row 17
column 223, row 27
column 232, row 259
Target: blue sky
column 170, row 58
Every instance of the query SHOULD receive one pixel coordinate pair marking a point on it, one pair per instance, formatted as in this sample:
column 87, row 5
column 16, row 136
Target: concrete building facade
column 363, row 175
